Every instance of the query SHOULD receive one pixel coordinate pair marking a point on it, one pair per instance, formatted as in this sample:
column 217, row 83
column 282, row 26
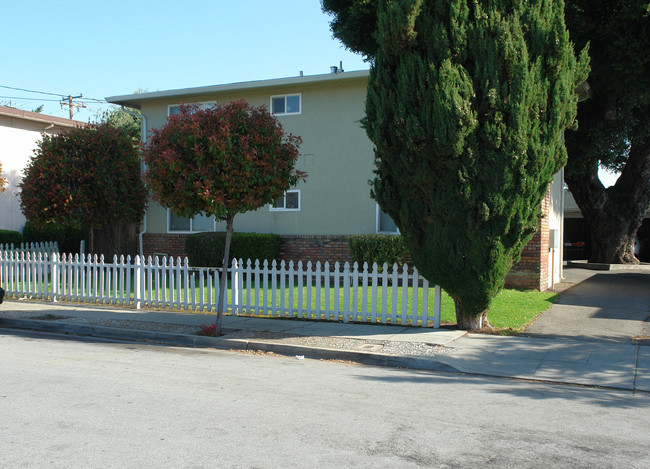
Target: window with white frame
column 283, row 105
column 385, row 224
column 199, row 223
column 176, row 108
column 289, row 202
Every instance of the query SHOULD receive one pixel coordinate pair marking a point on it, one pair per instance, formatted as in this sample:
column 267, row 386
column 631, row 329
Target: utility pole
column 72, row 105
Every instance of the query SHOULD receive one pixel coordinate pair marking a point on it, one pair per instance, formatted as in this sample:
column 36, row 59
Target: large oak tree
column 614, row 126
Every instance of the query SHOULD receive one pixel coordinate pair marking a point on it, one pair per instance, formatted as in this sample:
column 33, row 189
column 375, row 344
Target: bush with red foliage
column 221, row 161
column 87, row 176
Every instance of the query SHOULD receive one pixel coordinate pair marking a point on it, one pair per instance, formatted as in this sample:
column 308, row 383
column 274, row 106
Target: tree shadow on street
column 529, row 389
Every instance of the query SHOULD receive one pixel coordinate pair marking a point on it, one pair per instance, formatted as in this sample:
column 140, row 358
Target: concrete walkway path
column 595, row 335
column 612, row 306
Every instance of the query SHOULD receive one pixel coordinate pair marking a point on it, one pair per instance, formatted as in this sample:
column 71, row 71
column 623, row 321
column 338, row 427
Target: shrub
column 206, row 249
column 8, row 237
column 378, row 248
column 85, row 176
column 68, row 238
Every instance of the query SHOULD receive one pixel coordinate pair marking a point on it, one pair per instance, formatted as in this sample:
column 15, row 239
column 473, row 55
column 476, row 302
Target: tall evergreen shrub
column 466, row 105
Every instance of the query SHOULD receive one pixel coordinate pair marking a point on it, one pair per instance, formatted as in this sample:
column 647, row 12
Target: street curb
column 289, row 350
column 223, row 343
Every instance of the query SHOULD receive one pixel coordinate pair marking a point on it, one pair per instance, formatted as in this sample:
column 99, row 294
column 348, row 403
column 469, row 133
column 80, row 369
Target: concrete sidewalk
column 612, row 360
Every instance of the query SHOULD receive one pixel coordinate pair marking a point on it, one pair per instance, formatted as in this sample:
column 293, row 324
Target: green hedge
column 206, row 249
column 67, row 237
column 8, row 237
column 378, row 248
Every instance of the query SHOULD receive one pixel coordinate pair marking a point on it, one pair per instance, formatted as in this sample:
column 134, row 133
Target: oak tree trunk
column 614, row 214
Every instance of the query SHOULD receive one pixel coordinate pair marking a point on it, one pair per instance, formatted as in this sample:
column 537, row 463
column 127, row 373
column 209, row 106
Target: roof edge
column 38, row 117
column 134, row 100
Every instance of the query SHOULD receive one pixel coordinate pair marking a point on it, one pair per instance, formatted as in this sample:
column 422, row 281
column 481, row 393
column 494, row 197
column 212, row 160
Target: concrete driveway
column 600, row 305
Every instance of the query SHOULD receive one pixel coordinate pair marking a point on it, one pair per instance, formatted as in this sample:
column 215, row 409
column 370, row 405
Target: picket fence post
column 138, row 293
column 437, row 306
column 54, row 269
column 234, row 287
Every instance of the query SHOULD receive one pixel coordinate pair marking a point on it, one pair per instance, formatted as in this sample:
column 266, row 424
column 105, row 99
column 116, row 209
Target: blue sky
column 101, row 49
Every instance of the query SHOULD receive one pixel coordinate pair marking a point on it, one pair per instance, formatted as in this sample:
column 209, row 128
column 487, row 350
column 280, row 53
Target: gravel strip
column 384, row 347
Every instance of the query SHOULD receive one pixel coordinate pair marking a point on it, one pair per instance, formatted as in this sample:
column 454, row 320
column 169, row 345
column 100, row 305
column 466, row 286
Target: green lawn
column 512, row 310
column 509, row 313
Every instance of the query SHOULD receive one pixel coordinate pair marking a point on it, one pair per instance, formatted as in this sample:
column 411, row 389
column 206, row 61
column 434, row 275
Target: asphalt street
column 73, row 402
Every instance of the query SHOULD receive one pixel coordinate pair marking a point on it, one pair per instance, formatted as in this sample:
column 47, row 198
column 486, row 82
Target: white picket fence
column 318, row 291
column 43, row 247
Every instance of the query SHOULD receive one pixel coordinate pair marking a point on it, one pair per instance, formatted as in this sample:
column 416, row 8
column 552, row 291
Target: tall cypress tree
column 467, row 102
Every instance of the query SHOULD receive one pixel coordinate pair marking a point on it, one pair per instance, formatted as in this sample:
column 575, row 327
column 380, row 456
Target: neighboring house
column 316, row 217
column 20, row 132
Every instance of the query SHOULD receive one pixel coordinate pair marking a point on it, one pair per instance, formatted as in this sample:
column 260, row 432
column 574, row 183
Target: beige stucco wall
column 336, row 154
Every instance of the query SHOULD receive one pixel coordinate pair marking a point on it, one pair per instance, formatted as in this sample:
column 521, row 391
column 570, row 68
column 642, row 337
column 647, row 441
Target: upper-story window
column 286, row 104
column 290, row 201
column 176, row 108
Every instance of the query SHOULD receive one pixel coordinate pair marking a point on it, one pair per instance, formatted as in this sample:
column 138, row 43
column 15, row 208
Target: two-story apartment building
column 316, row 217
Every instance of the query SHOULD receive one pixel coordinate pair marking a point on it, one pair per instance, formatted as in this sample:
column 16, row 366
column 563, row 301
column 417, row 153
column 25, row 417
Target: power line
column 49, row 94
column 94, row 99
column 32, row 91
column 30, row 99
column 84, row 100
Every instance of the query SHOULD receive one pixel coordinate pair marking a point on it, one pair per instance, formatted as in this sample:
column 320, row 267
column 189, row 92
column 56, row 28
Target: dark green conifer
column 467, row 102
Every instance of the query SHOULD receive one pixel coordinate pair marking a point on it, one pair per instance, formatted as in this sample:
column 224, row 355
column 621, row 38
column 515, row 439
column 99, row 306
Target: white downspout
column 143, row 138
column 562, row 229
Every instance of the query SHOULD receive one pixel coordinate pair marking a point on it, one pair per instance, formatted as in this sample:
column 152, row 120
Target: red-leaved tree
column 87, row 177
column 221, row 161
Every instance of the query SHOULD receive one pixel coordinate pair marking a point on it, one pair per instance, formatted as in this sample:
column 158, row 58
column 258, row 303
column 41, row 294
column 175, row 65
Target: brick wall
column 315, row 248
column 530, row 273
column 294, row 247
column 169, row 244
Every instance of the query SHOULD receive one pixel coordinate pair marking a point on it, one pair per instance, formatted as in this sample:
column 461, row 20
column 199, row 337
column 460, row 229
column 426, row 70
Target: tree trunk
column 224, row 276
column 470, row 322
column 91, row 240
column 615, row 214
